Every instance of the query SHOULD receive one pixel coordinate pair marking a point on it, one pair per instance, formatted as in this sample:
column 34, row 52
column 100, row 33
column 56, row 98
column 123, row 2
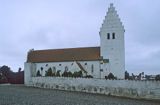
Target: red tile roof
column 60, row 55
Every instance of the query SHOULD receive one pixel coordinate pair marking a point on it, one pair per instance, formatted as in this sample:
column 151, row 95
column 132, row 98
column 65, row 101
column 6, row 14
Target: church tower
column 112, row 42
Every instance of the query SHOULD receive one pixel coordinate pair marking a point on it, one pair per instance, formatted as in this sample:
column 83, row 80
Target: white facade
column 111, row 48
column 28, row 68
column 92, row 68
column 112, row 42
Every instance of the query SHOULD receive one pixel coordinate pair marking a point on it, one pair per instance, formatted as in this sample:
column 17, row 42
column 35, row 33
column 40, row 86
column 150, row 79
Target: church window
column 46, row 64
column 85, row 64
column 54, row 69
column 60, row 64
column 66, row 68
column 41, row 68
column 113, row 35
column 108, row 36
column 92, row 69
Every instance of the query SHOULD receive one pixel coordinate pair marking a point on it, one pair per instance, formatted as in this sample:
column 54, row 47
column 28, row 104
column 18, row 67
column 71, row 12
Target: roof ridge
column 68, row 48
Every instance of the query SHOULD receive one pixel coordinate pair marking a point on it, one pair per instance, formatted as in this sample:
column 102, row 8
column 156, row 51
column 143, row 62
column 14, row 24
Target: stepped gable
column 111, row 21
column 62, row 55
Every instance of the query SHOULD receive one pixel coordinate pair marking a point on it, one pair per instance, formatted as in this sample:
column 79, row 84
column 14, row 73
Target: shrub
column 49, row 72
column 88, row 76
column 110, row 76
column 67, row 74
column 157, row 78
column 77, row 74
column 70, row 74
column 127, row 75
column 106, row 77
column 58, row 73
column 3, row 79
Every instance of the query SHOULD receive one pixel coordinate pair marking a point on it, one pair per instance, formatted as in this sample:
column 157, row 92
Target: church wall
column 125, row 88
column 113, row 49
column 29, row 69
column 92, row 67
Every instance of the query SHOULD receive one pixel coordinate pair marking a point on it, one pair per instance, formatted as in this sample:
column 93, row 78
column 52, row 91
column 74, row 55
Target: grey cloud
column 52, row 24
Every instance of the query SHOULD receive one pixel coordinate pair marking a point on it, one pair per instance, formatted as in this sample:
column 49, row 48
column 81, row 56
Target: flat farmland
column 21, row 95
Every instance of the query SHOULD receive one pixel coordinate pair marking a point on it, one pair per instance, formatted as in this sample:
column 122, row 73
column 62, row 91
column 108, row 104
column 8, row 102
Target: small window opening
column 92, row 68
column 108, row 36
column 66, row 68
column 113, row 35
column 41, row 68
column 54, row 69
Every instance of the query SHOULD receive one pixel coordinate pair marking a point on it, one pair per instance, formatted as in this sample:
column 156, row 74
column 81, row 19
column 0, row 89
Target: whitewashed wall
column 113, row 49
column 72, row 67
column 125, row 88
column 29, row 69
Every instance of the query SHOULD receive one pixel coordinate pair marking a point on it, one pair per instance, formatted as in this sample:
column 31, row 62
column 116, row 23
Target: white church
column 98, row 62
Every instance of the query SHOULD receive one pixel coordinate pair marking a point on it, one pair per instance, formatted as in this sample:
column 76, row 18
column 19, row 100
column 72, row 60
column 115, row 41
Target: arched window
column 92, row 69
column 108, row 36
column 66, row 68
column 113, row 35
column 54, row 69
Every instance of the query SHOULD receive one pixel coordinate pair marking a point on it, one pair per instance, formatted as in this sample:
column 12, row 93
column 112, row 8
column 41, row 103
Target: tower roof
column 112, row 20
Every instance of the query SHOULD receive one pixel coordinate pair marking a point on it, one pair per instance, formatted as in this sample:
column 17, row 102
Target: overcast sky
column 50, row 24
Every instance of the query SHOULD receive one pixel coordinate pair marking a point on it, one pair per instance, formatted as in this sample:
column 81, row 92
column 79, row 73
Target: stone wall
column 125, row 88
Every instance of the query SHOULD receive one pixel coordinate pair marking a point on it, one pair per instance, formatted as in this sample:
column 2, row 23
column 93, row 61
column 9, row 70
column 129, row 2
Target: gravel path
column 21, row 95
